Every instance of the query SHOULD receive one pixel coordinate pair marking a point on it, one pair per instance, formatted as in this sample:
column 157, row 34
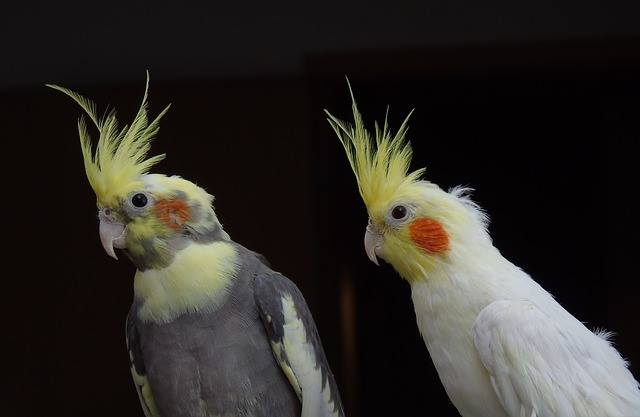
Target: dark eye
column 139, row 200
column 399, row 212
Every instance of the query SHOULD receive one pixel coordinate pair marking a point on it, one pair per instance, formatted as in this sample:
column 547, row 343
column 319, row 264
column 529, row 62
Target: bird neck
column 472, row 277
column 199, row 278
column 151, row 245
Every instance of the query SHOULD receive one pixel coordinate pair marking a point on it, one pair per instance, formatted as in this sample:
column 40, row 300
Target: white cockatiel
column 501, row 344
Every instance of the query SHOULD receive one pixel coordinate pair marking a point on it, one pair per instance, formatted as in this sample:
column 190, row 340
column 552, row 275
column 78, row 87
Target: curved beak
column 111, row 235
column 372, row 243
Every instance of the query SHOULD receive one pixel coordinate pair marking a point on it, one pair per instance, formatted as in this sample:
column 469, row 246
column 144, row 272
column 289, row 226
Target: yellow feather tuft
column 120, row 158
column 381, row 167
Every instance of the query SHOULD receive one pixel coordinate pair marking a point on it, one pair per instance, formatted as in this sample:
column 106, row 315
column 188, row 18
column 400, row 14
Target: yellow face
column 409, row 230
column 141, row 221
column 149, row 215
column 154, row 221
column 411, row 222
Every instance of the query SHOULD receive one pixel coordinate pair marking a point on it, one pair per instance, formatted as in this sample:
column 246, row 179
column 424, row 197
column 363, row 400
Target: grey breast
column 217, row 363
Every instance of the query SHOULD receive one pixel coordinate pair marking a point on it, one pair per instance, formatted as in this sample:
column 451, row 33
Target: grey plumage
column 220, row 363
column 269, row 289
column 195, row 335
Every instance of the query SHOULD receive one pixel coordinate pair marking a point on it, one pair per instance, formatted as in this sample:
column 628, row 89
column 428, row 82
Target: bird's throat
column 199, row 277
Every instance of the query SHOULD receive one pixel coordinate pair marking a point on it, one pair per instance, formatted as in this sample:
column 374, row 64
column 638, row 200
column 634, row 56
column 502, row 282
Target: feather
column 120, row 157
column 381, row 165
column 549, row 364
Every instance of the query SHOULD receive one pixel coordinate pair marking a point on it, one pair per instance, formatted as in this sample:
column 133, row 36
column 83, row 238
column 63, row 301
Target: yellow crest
column 120, row 158
column 381, row 165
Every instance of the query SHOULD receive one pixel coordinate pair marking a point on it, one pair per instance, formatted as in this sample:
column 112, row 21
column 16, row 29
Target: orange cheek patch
column 172, row 212
column 429, row 235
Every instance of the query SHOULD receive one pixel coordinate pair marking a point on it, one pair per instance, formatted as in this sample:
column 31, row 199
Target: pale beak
column 372, row 243
column 112, row 235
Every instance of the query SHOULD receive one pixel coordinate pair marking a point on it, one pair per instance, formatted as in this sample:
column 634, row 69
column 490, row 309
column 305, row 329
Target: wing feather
column 547, row 366
column 138, row 370
column 296, row 345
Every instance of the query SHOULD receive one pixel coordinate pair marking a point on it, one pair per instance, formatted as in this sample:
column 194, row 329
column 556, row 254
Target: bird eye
column 399, row 212
column 139, row 200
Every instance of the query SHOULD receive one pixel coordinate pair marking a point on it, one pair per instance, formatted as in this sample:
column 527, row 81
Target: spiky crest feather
column 120, row 158
column 380, row 167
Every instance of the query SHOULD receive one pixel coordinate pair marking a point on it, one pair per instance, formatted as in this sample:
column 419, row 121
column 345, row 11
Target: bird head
column 413, row 224
column 149, row 216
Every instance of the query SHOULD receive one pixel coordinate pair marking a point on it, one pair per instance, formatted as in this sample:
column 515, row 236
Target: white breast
column 445, row 317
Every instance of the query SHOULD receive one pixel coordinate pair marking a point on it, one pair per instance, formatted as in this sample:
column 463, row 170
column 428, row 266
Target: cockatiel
column 212, row 331
column 501, row 344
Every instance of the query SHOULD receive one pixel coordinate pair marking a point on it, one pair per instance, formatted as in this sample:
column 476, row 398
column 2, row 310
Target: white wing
column 545, row 366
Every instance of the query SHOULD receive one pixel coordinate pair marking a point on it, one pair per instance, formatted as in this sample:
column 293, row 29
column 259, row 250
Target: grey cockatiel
column 212, row 331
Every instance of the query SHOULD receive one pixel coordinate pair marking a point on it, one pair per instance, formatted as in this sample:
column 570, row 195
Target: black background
column 535, row 106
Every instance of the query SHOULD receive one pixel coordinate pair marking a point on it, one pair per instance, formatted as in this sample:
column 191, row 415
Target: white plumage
column 503, row 346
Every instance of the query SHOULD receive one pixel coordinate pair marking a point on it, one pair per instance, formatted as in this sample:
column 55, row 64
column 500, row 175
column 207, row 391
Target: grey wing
column 296, row 345
column 138, row 370
column 263, row 259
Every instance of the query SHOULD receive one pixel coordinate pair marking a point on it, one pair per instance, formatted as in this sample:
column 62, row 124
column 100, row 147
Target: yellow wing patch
column 278, row 351
column 145, row 395
column 120, row 158
column 303, row 373
column 381, row 165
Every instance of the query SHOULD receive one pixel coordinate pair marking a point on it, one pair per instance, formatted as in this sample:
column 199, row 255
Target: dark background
column 534, row 104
